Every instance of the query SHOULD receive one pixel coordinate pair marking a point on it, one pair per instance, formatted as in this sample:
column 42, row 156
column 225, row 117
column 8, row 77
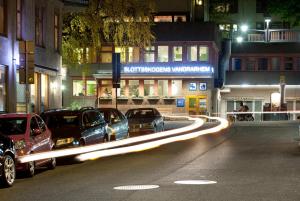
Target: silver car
column 144, row 121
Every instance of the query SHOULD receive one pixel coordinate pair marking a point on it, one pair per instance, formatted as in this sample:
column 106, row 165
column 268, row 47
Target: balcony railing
column 76, row 2
column 271, row 35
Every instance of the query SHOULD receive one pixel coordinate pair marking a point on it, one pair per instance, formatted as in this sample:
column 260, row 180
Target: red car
column 30, row 135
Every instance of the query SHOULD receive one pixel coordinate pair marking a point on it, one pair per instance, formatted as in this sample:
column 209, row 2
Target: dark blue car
column 76, row 127
column 7, row 161
column 117, row 123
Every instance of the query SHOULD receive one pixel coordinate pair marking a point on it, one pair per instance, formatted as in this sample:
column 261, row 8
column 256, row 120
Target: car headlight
column 21, row 144
column 64, row 141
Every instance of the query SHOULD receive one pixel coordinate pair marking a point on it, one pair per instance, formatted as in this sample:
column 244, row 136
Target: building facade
column 256, row 71
column 38, row 22
column 176, row 74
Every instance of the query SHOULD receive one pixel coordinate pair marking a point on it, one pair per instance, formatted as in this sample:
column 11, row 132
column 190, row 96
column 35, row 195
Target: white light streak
column 195, row 182
column 80, row 150
column 153, row 144
column 136, row 187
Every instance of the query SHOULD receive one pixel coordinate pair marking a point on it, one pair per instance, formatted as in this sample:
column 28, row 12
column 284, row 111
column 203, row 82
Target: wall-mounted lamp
column 53, row 86
column 199, row 2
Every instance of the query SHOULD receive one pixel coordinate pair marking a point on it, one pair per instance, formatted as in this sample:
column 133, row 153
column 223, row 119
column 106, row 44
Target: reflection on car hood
column 66, row 132
column 141, row 120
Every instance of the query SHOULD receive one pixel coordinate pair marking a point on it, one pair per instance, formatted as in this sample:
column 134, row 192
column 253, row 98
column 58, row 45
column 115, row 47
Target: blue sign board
column 193, row 86
column 202, row 86
column 187, row 68
column 180, row 102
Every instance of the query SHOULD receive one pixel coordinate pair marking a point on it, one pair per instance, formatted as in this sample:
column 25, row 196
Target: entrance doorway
column 196, row 104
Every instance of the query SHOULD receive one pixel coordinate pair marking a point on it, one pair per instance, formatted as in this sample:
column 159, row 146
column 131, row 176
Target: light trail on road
column 109, row 145
column 153, row 144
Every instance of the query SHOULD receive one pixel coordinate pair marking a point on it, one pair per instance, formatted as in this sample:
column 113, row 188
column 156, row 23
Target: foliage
column 220, row 9
column 287, row 10
column 121, row 22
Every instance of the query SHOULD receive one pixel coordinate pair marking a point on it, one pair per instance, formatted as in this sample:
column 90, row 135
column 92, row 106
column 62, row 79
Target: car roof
column 15, row 115
column 143, row 108
column 106, row 108
column 66, row 112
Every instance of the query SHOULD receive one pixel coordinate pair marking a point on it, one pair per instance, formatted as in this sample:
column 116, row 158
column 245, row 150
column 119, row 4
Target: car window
column 61, row 119
column 92, row 118
column 41, row 123
column 13, row 126
column 33, row 125
column 115, row 117
column 140, row 113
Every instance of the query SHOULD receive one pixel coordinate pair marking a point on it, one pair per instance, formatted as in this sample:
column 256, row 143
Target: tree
column 287, row 10
column 122, row 22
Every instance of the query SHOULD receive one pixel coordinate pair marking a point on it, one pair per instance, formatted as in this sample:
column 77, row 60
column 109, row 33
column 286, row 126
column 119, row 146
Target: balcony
column 76, row 2
column 243, row 78
column 271, row 35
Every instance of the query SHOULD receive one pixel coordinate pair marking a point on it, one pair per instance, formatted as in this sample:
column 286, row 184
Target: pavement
column 255, row 162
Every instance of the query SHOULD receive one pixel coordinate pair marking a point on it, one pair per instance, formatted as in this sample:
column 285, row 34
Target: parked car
column 7, row 161
column 30, row 135
column 117, row 123
column 76, row 127
column 144, row 120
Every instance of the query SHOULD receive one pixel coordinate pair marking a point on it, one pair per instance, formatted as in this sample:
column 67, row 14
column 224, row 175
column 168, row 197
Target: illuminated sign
column 202, row 86
column 192, row 69
column 193, row 86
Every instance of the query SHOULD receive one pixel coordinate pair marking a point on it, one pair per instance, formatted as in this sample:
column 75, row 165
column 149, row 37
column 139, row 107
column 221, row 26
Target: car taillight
column 21, row 144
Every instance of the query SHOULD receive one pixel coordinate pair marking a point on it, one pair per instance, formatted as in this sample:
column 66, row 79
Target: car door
column 116, row 124
column 36, row 137
column 99, row 126
column 123, row 125
column 88, row 129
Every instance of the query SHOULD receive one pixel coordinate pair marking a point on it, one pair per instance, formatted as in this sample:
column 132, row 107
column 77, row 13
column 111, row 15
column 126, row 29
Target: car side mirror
column 36, row 131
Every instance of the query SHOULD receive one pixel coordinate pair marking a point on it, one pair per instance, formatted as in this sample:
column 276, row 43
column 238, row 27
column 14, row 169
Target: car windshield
column 13, row 126
column 145, row 113
column 54, row 121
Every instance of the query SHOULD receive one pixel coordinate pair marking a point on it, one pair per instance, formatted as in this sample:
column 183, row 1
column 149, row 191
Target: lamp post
column 267, row 21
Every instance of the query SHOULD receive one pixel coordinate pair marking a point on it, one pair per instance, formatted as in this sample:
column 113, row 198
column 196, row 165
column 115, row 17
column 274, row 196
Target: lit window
column 163, row 87
column 91, row 87
column 176, row 87
column 44, row 92
column 192, row 53
column 122, row 52
column 203, row 53
column 133, row 86
column 177, row 53
column 149, row 54
column 3, row 88
column 78, row 88
column 180, row 18
column 148, row 87
column 121, row 90
column 106, row 88
column 162, row 54
column 163, row 18
column 106, row 54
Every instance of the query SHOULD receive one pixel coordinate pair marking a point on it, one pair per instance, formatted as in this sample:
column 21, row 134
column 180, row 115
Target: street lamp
column 244, row 28
column 239, row 39
column 267, row 21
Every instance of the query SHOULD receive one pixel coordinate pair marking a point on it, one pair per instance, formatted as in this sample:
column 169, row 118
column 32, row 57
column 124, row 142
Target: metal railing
column 76, row 2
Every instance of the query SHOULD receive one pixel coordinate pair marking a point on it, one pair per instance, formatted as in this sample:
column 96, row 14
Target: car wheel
column 81, row 142
column 30, row 169
column 9, row 171
column 52, row 164
column 105, row 138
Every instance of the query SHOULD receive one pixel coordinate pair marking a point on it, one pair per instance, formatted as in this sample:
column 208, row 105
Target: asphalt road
column 257, row 162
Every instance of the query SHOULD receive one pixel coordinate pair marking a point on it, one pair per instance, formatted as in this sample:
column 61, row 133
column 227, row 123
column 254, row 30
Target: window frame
column 56, row 31
column 19, row 12
column 39, row 26
column 4, row 33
